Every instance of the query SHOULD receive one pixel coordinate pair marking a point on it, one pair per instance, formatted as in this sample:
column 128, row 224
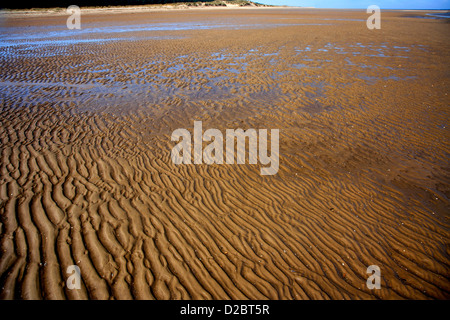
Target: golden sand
column 86, row 177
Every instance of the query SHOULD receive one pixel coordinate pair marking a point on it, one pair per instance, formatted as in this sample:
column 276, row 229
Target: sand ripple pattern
column 86, row 177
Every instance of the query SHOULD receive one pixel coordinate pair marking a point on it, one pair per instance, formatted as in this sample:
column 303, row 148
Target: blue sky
column 383, row 4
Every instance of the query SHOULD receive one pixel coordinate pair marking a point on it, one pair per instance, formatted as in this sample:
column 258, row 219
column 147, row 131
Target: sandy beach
column 86, row 176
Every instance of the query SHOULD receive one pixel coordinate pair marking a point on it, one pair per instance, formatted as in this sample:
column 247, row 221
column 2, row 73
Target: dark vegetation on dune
column 81, row 3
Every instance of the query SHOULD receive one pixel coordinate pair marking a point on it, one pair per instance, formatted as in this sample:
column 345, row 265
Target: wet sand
column 86, row 176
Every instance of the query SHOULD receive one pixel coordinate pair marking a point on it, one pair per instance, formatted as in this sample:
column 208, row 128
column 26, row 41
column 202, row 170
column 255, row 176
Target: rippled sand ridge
column 86, row 176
